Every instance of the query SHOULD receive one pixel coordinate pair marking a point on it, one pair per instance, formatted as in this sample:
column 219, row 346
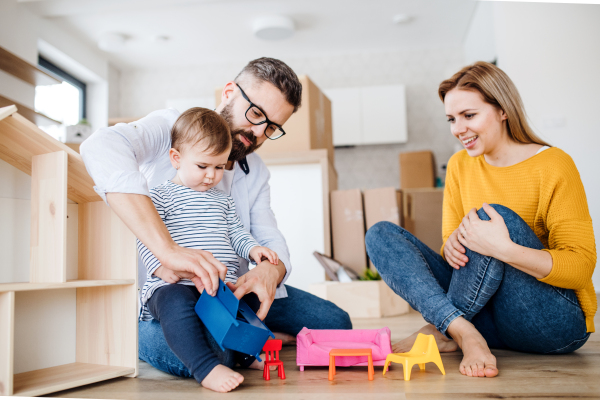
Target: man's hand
column 167, row 275
column 262, row 281
column 198, row 265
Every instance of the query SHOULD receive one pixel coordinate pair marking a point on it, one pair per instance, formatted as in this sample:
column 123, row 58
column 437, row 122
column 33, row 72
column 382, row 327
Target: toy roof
column 21, row 140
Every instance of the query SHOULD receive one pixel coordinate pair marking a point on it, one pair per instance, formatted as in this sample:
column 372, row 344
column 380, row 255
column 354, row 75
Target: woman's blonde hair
column 497, row 89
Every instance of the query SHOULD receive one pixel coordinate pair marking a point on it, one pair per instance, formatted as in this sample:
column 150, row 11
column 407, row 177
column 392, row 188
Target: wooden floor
column 522, row 376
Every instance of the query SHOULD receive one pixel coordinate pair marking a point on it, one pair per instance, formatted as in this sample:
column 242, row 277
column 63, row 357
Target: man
column 128, row 159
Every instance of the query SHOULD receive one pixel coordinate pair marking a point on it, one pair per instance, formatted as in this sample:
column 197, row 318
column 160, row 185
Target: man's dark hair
column 278, row 74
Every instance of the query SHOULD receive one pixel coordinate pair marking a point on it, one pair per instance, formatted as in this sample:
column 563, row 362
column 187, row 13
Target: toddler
column 197, row 216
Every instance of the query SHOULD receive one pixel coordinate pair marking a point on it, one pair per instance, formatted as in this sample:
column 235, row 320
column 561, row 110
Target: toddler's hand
column 166, row 275
column 258, row 252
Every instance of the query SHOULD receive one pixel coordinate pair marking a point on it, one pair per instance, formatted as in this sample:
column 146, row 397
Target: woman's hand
column 454, row 252
column 488, row 238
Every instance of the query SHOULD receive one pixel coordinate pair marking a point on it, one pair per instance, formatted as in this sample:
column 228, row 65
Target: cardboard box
column 417, row 170
column 308, row 128
column 383, row 204
column 348, row 229
column 362, row 299
column 422, row 213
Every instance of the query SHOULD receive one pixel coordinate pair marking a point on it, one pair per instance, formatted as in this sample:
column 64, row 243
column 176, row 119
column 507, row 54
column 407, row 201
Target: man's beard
column 238, row 149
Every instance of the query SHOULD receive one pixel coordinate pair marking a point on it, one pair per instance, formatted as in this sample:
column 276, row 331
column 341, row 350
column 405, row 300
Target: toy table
column 350, row 353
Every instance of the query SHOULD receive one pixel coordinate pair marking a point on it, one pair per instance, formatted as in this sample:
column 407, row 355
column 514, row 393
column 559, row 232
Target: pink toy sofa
column 314, row 345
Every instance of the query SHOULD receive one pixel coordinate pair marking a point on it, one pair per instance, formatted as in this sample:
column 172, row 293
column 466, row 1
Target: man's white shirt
column 134, row 157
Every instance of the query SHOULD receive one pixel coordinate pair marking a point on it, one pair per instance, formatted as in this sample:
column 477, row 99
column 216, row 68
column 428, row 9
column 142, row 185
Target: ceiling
column 219, row 31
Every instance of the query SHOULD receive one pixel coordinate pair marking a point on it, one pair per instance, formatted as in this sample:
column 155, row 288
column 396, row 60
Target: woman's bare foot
column 478, row 360
column 222, row 379
column 444, row 344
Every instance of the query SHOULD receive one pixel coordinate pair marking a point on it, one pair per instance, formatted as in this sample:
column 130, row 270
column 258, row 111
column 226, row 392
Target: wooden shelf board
column 50, row 380
column 35, row 117
column 21, row 69
column 21, row 140
column 26, row 286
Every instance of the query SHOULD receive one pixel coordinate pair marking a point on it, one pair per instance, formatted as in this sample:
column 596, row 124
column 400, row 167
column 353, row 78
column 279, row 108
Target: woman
column 515, row 274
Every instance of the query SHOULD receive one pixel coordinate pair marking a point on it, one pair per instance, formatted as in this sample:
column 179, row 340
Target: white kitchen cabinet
column 368, row 115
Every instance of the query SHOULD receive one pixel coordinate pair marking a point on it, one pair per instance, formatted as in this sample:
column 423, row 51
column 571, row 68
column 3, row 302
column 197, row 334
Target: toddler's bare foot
column 478, row 360
column 444, row 344
column 222, row 379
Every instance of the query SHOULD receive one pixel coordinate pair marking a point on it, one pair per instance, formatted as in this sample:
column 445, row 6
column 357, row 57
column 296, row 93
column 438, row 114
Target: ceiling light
column 275, row 27
column 112, row 42
column 400, row 19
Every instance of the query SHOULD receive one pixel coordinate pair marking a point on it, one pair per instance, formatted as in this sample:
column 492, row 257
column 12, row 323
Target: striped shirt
column 197, row 220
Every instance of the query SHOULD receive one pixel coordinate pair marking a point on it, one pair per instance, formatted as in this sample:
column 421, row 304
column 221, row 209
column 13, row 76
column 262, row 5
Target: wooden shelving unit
column 106, row 284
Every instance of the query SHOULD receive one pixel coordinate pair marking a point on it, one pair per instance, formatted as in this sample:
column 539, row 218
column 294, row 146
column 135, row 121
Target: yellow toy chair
column 423, row 351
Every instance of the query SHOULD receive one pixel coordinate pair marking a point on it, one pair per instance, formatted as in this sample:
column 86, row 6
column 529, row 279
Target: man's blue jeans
column 510, row 308
column 288, row 315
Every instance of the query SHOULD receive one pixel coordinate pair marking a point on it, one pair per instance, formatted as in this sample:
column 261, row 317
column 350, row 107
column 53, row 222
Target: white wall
column 480, row 42
column 552, row 53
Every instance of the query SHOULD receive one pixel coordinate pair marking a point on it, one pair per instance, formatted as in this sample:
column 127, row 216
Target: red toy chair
column 271, row 349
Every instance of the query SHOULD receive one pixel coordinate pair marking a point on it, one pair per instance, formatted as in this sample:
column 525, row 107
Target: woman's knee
column 519, row 231
column 380, row 232
column 504, row 212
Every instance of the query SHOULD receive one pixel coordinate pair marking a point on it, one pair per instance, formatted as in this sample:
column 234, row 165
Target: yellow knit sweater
column 546, row 191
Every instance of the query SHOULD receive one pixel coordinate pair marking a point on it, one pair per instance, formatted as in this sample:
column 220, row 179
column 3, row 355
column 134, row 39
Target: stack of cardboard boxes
column 417, row 207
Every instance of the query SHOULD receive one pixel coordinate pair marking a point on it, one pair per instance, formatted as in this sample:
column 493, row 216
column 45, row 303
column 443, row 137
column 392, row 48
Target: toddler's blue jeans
column 511, row 309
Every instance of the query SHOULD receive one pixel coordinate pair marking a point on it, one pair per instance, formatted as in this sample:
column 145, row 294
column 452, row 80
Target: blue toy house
column 232, row 323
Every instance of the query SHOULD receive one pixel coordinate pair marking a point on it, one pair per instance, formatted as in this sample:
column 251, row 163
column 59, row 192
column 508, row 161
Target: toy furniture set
column 314, row 345
column 360, row 347
column 99, row 273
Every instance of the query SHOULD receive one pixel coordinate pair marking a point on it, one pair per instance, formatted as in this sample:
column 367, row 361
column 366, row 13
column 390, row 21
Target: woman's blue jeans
column 196, row 345
column 511, row 309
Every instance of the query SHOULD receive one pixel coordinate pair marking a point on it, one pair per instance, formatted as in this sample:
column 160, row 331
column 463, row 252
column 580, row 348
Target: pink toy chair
column 272, row 348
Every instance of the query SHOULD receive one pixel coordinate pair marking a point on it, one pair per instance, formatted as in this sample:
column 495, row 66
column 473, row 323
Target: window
column 65, row 102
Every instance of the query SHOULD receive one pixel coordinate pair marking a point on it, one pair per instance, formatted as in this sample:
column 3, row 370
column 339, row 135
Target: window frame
column 63, row 75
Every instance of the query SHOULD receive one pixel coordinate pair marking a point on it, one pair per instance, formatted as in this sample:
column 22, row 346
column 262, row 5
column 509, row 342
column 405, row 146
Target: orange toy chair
column 271, row 348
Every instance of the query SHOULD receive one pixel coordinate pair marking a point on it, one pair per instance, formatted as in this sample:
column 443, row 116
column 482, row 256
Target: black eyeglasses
column 256, row 116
